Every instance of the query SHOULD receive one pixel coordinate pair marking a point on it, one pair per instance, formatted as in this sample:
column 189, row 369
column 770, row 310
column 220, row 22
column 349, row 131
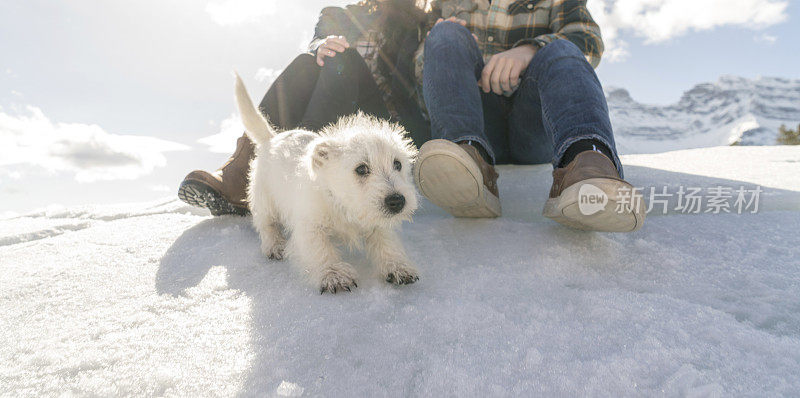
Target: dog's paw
column 338, row 277
column 274, row 250
column 402, row 275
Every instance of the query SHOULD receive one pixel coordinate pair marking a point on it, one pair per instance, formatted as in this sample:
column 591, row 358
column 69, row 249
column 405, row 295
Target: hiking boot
column 456, row 178
column 224, row 191
column 588, row 194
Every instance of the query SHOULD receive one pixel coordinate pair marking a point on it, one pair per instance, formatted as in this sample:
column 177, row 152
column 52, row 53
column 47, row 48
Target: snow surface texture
column 733, row 109
column 161, row 299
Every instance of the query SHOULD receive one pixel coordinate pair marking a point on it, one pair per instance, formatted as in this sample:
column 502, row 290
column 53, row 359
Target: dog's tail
column 256, row 126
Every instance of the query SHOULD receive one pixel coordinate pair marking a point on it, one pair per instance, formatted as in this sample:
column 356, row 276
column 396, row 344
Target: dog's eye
column 397, row 165
column 362, row 170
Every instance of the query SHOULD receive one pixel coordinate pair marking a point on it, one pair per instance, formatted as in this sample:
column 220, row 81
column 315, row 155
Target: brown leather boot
column 456, row 178
column 588, row 194
column 224, row 191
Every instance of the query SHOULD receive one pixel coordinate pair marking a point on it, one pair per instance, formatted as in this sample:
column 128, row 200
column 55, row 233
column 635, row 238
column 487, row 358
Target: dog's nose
column 395, row 203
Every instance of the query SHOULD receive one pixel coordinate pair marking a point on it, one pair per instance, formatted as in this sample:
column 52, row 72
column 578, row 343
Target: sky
column 116, row 101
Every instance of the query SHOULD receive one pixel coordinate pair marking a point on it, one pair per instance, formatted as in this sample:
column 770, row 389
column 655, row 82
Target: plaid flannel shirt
column 504, row 24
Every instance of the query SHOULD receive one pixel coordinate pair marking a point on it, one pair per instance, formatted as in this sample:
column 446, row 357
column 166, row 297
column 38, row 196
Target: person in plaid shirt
column 513, row 81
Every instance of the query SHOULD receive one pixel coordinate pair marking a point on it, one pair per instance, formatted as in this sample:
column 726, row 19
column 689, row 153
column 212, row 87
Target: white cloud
column 8, row 214
column 11, row 74
column 660, row 20
column 267, row 75
column 236, row 12
column 615, row 48
column 766, row 38
column 6, row 176
column 13, row 174
column 85, row 150
column 225, row 141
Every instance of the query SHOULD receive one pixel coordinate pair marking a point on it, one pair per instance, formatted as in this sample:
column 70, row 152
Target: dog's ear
column 323, row 152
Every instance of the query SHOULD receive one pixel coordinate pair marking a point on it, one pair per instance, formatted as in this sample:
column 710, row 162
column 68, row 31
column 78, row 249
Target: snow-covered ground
column 161, row 299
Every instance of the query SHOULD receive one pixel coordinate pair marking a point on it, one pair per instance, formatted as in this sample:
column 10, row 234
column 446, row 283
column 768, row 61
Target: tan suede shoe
column 224, row 191
column 456, row 178
column 588, row 194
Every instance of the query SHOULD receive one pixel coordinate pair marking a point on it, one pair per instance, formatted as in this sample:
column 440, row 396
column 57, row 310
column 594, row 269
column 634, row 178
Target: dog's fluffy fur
column 312, row 188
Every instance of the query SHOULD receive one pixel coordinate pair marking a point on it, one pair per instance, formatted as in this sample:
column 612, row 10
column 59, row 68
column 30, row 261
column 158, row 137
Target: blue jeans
column 559, row 100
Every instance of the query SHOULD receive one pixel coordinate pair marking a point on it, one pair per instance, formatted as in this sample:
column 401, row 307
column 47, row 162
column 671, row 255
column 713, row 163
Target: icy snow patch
column 287, row 389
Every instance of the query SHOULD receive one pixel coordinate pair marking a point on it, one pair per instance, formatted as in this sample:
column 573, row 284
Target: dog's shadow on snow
column 232, row 243
column 301, row 336
column 220, row 241
column 296, row 332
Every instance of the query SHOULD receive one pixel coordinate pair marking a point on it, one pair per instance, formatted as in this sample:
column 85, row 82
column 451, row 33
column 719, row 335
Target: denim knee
column 562, row 48
column 554, row 50
column 448, row 35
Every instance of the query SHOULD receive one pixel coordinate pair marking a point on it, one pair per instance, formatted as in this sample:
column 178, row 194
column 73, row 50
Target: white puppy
column 350, row 184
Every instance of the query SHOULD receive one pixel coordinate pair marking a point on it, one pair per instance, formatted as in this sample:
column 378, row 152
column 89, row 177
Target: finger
column 437, row 21
column 325, row 52
column 505, row 77
column 495, row 78
column 338, row 40
column 476, row 37
column 457, row 20
column 514, row 76
column 335, row 47
column 320, row 62
column 486, row 74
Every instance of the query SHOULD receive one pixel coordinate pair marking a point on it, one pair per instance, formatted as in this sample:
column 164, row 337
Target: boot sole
column 198, row 194
column 565, row 209
column 450, row 179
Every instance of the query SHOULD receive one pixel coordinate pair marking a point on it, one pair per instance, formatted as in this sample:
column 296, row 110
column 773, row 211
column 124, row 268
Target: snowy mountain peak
column 732, row 110
column 618, row 94
column 733, row 82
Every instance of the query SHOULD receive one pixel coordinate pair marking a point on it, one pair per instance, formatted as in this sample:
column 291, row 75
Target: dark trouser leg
column 288, row 96
column 450, row 88
column 496, row 109
column 529, row 141
column 559, row 103
column 345, row 86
